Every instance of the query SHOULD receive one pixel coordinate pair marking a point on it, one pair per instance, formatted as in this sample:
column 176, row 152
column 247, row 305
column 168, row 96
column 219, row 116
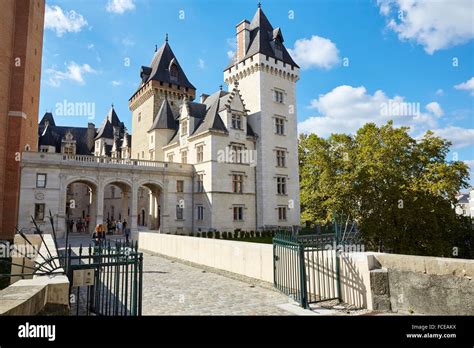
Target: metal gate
column 105, row 279
column 306, row 268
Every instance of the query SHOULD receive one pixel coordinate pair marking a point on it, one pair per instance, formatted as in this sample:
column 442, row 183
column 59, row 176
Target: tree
column 401, row 191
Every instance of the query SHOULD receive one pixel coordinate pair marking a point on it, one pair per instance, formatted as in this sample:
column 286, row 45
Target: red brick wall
column 25, row 34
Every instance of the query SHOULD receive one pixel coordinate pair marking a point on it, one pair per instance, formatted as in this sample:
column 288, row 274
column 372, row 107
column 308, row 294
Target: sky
column 410, row 61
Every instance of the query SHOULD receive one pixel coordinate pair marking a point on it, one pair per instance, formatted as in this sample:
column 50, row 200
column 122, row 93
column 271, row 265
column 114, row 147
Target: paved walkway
column 174, row 288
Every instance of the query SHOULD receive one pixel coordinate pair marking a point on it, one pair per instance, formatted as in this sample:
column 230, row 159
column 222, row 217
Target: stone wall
column 41, row 294
column 423, row 285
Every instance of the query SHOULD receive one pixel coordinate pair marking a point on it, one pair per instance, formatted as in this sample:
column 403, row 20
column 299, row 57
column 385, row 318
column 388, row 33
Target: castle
column 228, row 161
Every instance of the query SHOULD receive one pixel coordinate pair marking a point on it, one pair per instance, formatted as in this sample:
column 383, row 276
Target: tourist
column 74, row 227
column 127, row 234
column 119, row 227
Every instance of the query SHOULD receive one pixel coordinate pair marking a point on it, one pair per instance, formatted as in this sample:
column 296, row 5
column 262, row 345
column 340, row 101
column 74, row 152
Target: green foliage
column 400, row 191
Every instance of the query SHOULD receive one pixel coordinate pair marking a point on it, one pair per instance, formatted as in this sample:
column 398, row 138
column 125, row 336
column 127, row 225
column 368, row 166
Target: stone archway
column 151, row 203
column 80, row 205
column 117, row 200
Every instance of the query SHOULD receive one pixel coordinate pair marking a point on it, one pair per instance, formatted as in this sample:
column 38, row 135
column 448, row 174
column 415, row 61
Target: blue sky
column 356, row 56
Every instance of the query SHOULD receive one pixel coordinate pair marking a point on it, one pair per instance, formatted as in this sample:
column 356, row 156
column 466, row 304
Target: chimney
column 204, row 97
column 90, row 135
column 243, row 38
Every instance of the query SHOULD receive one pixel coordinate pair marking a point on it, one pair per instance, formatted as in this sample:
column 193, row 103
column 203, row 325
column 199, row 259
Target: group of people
column 80, row 225
column 113, row 227
column 116, row 227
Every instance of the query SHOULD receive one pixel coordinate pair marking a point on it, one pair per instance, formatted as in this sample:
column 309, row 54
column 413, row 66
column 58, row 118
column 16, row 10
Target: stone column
column 151, row 210
column 100, row 204
column 124, row 212
column 93, row 212
column 133, row 211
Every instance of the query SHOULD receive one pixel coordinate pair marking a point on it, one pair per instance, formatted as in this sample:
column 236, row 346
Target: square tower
column 267, row 77
column 163, row 80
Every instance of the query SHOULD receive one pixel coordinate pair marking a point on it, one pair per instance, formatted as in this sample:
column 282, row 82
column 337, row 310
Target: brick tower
column 21, row 44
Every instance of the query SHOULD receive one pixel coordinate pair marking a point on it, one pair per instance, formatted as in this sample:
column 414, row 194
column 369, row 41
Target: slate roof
column 463, row 198
column 53, row 135
column 164, row 119
column 47, row 118
column 262, row 38
column 212, row 121
column 106, row 129
column 159, row 69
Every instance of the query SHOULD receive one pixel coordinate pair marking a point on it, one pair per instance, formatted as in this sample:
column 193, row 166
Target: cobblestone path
column 174, row 288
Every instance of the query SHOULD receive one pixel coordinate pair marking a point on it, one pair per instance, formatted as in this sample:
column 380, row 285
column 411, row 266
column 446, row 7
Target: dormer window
column 184, row 128
column 236, row 121
column 174, row 72
column 278, row 49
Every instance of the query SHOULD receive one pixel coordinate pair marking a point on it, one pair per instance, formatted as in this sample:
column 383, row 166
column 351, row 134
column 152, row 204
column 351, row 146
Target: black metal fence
column 105, row 279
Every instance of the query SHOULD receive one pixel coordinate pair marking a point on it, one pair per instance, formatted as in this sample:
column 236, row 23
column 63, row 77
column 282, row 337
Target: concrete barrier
column 249, row 259
column 39, row 293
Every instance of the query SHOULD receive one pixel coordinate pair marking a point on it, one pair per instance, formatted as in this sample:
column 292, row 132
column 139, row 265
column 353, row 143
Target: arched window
column 174, row 72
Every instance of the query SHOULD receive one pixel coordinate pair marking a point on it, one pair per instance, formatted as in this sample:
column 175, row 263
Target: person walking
column 127, row 234
column 119, row 227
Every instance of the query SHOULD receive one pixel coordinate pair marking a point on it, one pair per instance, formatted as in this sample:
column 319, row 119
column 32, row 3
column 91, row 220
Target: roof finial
column 156, row 48
column 166, row 38
column 220, row 87
column 112, row 105
column 259, row 4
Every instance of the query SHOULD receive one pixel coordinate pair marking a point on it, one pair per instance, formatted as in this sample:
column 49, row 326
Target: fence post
column 338, row 275
column 302, row 267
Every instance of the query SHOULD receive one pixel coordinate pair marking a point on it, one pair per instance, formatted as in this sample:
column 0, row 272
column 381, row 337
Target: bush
column 252, row 234
column 224, row 235
column 210, row 234
column 218, row 235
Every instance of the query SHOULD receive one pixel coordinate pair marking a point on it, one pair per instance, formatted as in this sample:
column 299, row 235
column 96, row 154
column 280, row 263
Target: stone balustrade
column 101, row 161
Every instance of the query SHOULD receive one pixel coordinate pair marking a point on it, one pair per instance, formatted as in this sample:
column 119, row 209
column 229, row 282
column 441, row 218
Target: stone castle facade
column 224, row 163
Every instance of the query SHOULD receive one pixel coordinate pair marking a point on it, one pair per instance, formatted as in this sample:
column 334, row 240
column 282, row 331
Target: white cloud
column 120, row 6
column 63, row 21
column 232, row 44
column 201, row 64
column 435, row 109
column 467, row 86
column 90, row 46
column 460, row 137
column 73, row 72
column 470, row 164
column 440, row 92
column 315, row 52
column 434, row 24
column 116, row 83
column 345, row 109
column 128, row 42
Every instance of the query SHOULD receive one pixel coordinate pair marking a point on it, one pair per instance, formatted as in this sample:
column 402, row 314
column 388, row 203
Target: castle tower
column 163, row 79
column 267, row 77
